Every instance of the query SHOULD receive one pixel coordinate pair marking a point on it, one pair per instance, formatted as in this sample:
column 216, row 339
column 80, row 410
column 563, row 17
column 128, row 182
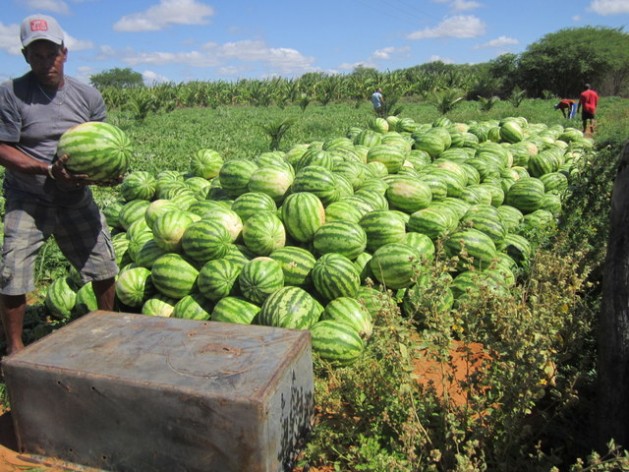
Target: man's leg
column 105, row 291
column 13, row 310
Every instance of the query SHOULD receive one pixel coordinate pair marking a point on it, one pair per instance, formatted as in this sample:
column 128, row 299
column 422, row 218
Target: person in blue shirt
column 377, row 100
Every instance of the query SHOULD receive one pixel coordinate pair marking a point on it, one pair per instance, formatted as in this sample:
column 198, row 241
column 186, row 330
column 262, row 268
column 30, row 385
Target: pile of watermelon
column 319, row 237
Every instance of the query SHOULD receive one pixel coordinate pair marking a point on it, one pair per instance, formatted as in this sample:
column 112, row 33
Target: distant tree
column 505, row 70
column 563, row 61
column 119, row 78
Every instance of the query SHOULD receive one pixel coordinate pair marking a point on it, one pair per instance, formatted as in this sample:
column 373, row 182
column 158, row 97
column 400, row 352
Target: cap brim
column 42, row 37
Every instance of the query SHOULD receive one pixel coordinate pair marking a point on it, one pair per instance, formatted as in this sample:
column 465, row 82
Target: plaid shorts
column 81, row 234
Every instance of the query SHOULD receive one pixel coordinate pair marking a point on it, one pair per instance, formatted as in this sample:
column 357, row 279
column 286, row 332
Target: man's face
column 46, row 60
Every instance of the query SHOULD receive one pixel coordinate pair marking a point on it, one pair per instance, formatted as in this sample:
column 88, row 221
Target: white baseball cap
column 36, row 27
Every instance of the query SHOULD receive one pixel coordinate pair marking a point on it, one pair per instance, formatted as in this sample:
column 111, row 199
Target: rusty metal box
column 129, row 392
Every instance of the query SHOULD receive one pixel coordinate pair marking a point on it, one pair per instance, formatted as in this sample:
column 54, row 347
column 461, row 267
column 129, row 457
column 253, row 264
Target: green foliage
column 276, row 131
column 446, row 100
column 564, row 61
column 486, row 104
column 517, row 96
column 117, row 78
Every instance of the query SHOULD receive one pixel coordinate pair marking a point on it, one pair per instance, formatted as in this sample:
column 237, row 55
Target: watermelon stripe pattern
column 334, row 275
column 234, row 310
column 291, row 308
column 336, row 342
column 173, row 276
column 99, row 150
column 303, row 214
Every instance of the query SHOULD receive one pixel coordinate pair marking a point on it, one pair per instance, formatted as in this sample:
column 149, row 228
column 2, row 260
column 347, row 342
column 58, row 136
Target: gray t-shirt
column 33, row 119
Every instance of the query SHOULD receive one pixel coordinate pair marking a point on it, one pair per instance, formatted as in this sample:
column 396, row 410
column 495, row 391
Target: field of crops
column 391, row 240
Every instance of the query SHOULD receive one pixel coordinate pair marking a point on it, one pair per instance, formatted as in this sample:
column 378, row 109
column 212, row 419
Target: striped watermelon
column 291, row 308
column 206, row 163
column 159, row 305
column 473, row 286
column 148, row 253
column 319, row 181
column 343, row 237
column 259, row 278
column 271, row 180
column 408, row 194
column 138, row 185
column 217, row 278
column 345, row 210
column 205, row 240
column 134, row 286
column 471, row 246
column 60, row 298
column 192, row 307
column 252, row 203
column 510, row 216
column 315, row 157
column 264, row 233
column 173, row 276
column 99, row 150
column 391, row 156
column 485, row 218
column 131, row 212
column 85, row 300
column 169, row 228
column 234, row 310
column 336, row 342
column 303, row 214
column 394, row 265
column 435, row 221
column 526, row 194
column 296, row 264
column 352, row 312
column 334, row 275
column 156, row 208
column 362, row 264
column 221, row 213
column 383, row 227
column 234, row 176
column 422, row 243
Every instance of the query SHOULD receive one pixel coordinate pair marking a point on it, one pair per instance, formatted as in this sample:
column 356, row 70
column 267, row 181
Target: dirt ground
column 465, row 360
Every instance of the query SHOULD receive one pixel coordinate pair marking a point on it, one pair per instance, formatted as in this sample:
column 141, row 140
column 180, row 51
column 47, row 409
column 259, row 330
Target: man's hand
column 59, row 172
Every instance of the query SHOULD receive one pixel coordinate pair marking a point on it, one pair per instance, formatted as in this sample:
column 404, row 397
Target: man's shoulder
column 17, row 84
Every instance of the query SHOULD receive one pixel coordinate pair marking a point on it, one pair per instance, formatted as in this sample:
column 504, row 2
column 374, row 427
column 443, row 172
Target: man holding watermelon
column 43, row 199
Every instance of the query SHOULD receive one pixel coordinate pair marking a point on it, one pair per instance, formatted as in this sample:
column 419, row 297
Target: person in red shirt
column 588, row 101
column 568, row 107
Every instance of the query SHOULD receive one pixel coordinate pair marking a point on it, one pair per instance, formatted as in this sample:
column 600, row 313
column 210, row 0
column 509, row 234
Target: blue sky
column 182, row 40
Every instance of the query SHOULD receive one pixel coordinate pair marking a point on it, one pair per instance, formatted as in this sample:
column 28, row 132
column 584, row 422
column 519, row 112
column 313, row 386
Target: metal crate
column 129, row 392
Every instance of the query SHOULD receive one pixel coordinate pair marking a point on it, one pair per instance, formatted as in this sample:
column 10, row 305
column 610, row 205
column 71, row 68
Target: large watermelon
column 259, row 278
column 173, row 276
column 99, row 150
column 336, row 342
column 234, row 310
column 290, row 307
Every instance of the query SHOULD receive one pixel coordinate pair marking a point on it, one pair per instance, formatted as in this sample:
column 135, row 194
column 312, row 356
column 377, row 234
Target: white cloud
column 498, row 42
column 10, row 39
column 167, row 12
column 281, row 60
column 388, row 53
column 152, row 78
column 55, row 6
column 460, row 26
column 74, row 44
column 610, row 7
